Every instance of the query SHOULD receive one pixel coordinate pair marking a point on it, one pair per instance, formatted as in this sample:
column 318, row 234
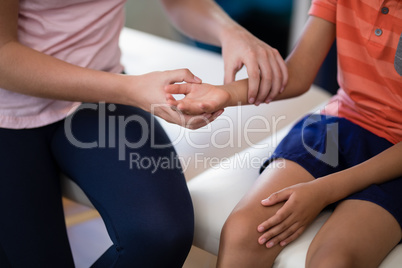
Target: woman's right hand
column 147, row 92
column 199, row 98
column 27, row 71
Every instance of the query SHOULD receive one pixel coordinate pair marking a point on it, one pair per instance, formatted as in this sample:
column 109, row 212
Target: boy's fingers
column 293, row 237
column 216, row 115
column 276, row 197
column 195, row 122
column 177, row 89
column 189, row 108
column 184, row 107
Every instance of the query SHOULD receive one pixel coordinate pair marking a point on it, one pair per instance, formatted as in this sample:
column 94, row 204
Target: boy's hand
column 199, row 98
column 153, row 98
column 303, row 202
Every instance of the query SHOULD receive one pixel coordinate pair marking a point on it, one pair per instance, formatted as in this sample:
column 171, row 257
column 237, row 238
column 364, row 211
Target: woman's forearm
column 29, row 72
column 378, row 169
column 202, row 20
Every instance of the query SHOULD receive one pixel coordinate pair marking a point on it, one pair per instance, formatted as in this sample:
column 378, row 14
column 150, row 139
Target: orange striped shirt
column 368, row 33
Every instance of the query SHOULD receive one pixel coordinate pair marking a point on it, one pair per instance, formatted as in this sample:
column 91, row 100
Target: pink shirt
column 81, row 32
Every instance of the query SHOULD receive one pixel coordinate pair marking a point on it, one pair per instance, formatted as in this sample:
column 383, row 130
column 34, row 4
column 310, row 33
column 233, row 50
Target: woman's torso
column 81, row 32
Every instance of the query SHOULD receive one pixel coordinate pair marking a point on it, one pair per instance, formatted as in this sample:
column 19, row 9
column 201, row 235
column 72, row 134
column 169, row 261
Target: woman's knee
column 162, row 248
column 158, row 230
column 162, row 243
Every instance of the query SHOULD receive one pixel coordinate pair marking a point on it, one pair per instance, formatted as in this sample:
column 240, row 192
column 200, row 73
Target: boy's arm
column 303, row 64
column 303, row 202
column 383, row 167
column 205, row 21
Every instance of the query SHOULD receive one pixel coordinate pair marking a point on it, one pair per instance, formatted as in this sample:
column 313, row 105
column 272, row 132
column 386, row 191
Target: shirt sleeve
column 325, row 9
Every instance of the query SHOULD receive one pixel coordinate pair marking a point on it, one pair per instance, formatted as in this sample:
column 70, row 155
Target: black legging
column 137, row 187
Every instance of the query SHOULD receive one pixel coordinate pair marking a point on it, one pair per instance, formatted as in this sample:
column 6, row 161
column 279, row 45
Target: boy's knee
column 239, row 245
column 331, row 258
column 238, row 231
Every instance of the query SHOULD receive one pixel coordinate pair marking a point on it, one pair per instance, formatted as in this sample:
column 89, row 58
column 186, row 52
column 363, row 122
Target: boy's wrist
column 332, row 187
column 324, row 190
column 231, row 99
column 237, row 92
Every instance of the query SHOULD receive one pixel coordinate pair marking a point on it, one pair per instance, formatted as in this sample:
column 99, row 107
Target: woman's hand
column 303, row 202
column 199, row 98
column 266, row 69
column 147, row 92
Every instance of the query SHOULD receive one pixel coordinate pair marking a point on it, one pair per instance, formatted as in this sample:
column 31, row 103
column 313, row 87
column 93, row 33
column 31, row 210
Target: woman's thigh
column 32, row 228
column 123, row 160
column 359, row 233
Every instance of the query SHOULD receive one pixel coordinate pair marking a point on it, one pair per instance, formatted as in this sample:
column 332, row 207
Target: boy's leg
column 32, row 226
column 358, row 234
column 239, row 245
column 140, row 192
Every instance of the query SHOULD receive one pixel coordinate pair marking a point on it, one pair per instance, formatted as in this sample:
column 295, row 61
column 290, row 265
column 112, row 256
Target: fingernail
column 263, row 240
column 260, row 228
column 251, row 100
column 268, row 100
column 257, row 103
column 283, row 243
column 197, row 79
column 270, row 244
column 282, row 89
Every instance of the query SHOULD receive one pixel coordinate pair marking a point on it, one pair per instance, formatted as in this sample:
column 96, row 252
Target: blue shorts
column 325, row 144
